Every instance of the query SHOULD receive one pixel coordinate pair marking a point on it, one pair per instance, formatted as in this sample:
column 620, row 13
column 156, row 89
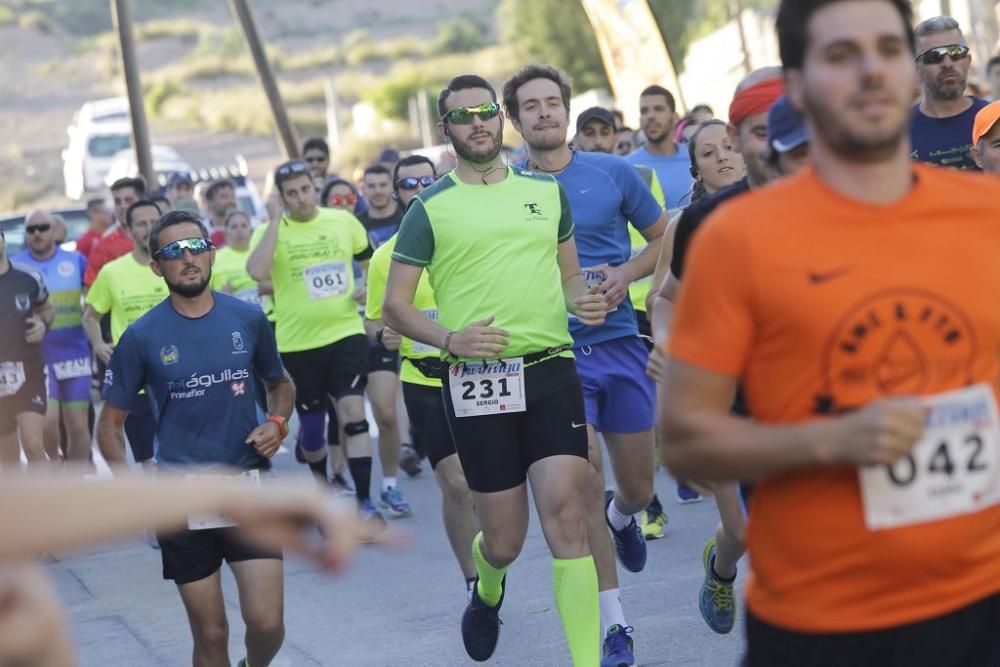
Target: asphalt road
column 397, row 608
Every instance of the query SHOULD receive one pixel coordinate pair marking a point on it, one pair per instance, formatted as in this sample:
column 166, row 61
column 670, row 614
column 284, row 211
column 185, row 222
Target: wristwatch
column 379, row 334
column 281, row 422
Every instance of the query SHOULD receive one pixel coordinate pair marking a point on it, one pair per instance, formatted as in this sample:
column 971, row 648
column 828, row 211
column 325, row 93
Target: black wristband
column 379, row 334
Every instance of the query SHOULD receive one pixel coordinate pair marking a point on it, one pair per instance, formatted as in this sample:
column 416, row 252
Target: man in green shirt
column 229, row 273
column 497, row 243
column 307, row 255
column 127, row 288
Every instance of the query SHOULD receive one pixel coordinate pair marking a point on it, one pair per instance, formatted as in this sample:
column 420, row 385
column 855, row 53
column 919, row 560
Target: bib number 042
column 487, row 387
column 953, row 469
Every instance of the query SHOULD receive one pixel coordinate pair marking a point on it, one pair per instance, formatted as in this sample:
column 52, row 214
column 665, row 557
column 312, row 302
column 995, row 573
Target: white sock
column 617, row 520
column 388, row 483
column 611, row 609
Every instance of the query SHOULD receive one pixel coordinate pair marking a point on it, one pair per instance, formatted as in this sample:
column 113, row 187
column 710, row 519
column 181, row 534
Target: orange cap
column 985, row 120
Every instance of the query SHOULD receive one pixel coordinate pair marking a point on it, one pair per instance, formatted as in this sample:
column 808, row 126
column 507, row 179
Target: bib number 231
column 326, row 280
column 487, row 387
column 954, row 469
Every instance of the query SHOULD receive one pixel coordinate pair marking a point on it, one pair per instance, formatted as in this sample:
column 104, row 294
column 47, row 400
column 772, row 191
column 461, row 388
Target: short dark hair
column 409, row 161
column 169, row 220
column 137, row 183
column 232, row 213
column 793, row 27
column 701, row 107
column 95, row 203
column 660, row 90
column 376, row 169
column 139, row 204
column 216, row 186
column 324, row 196
column 992, row 62
column 316, row 144
column 530, row 73
column 463, row 82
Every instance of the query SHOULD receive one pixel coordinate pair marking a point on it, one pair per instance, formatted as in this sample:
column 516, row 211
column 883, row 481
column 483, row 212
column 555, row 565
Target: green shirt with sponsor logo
column 491, row 250
column 126, row 289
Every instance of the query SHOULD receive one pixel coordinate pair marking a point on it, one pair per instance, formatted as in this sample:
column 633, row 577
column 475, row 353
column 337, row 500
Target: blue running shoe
column 617, row 651
column 630, row 544
column 481, row 625
column 392, row 501
column 716, row 599
column 686, row 495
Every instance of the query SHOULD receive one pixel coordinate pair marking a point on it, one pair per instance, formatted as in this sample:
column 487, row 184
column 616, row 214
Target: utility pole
column 736, row 10
column 287, row 140
column 121, row 15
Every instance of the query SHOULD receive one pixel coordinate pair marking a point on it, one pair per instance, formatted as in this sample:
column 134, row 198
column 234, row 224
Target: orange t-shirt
column 820, row 304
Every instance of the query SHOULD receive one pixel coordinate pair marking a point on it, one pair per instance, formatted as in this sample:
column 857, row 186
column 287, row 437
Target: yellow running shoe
column 652, row 523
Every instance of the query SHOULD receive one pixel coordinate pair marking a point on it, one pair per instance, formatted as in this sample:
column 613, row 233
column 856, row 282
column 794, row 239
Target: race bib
column 11, row 377
column 487, row 387
column 326, row 280
column 72, row 368
column 249, row 295
column 952, row 470
column 208, row 521
column 423, row 348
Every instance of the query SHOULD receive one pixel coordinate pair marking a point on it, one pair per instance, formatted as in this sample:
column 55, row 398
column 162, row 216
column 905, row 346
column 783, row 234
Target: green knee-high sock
column 490, row 586
column 575, row 583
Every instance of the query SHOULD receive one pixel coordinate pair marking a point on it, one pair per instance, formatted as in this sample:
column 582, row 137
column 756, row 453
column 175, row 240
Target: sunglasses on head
column 343, row 200
column 411, row 182
column 290, row 169
column 38, row 229
column 175, row 250
column 936, row 55
column 465, row 115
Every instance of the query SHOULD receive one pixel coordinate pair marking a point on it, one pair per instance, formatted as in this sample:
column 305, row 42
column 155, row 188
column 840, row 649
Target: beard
column 856, row 144
column 479, row 156
column 545, row 142
column 946, row 92
column 189, row 290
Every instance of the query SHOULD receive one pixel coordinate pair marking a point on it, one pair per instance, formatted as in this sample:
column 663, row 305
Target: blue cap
column 786, row 130
column 179, row 177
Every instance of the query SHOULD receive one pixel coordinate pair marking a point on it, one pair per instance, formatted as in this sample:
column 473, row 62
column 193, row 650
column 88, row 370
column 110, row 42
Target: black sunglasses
column 936, row 55
column 38, row 229
column 313, row 160
column 411, row 182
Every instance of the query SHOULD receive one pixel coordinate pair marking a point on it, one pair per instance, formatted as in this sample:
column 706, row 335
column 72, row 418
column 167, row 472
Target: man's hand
column 592, row 308
column 33, row 629
column 360, row 296
column 35, row 331
column 266, row 439
column 104, row 352
column 881, row 433
column 656, row 368
column 390, row 339
column 479, row 341
column 615, row 284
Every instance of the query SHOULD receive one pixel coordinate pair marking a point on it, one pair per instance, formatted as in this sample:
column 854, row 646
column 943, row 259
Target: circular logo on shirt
column 65, row 268
column 895, row 343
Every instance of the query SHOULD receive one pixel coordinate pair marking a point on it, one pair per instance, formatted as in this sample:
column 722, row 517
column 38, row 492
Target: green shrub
column 35, row 20
column 459, row 35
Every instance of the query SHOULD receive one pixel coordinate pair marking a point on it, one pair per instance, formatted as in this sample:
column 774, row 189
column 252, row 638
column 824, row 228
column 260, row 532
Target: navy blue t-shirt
column 200, row 375
column 605, row 193
column 946, row 142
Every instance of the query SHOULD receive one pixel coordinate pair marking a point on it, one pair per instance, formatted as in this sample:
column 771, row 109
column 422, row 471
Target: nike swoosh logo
column 575, row 425
column 817, row 278
column 583, row 192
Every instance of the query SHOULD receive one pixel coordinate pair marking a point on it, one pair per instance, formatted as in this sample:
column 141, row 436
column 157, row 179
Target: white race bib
column 72, row 368
column 208, row 521
column 11, row 377
column 326, row 280
column 952, row 470
column 423, row 348
column 487, row 387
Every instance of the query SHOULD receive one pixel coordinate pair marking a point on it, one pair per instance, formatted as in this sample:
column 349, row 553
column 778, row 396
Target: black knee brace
column 356, row 428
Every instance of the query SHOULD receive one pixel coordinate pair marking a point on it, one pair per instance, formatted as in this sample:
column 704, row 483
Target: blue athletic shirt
column 673, row 171
column 946, row 142
column 65, row 344
column 200, row 375
column 606, row 193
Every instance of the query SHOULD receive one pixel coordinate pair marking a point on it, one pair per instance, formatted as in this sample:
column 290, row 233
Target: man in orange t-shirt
column 855, row 303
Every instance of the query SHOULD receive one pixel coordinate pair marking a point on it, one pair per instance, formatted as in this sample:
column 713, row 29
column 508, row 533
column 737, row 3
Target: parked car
column 166, row 161
column 109, row 110
column 91, row 151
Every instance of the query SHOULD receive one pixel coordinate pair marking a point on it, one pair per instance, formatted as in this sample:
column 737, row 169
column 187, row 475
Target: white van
column 92, row 149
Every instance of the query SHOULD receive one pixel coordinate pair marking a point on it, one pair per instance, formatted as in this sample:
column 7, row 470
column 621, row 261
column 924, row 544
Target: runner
column 220, row 199
column 99, row 220
column 307, row 255
column 229, row 272
column 657, row 118
column 197, row 351
column 180, row 187
column 510, row 268
column 65, row 349
column 127, row 289
column 714, row 163
column 870, row 540
column 382, row 220
column 986, row 138
column 341, row 194
column 783, row 153
column 422, row 391
column 605, row 193
column 316, row 154
column 942, row 121
column 117, row 240
column 25, row 315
